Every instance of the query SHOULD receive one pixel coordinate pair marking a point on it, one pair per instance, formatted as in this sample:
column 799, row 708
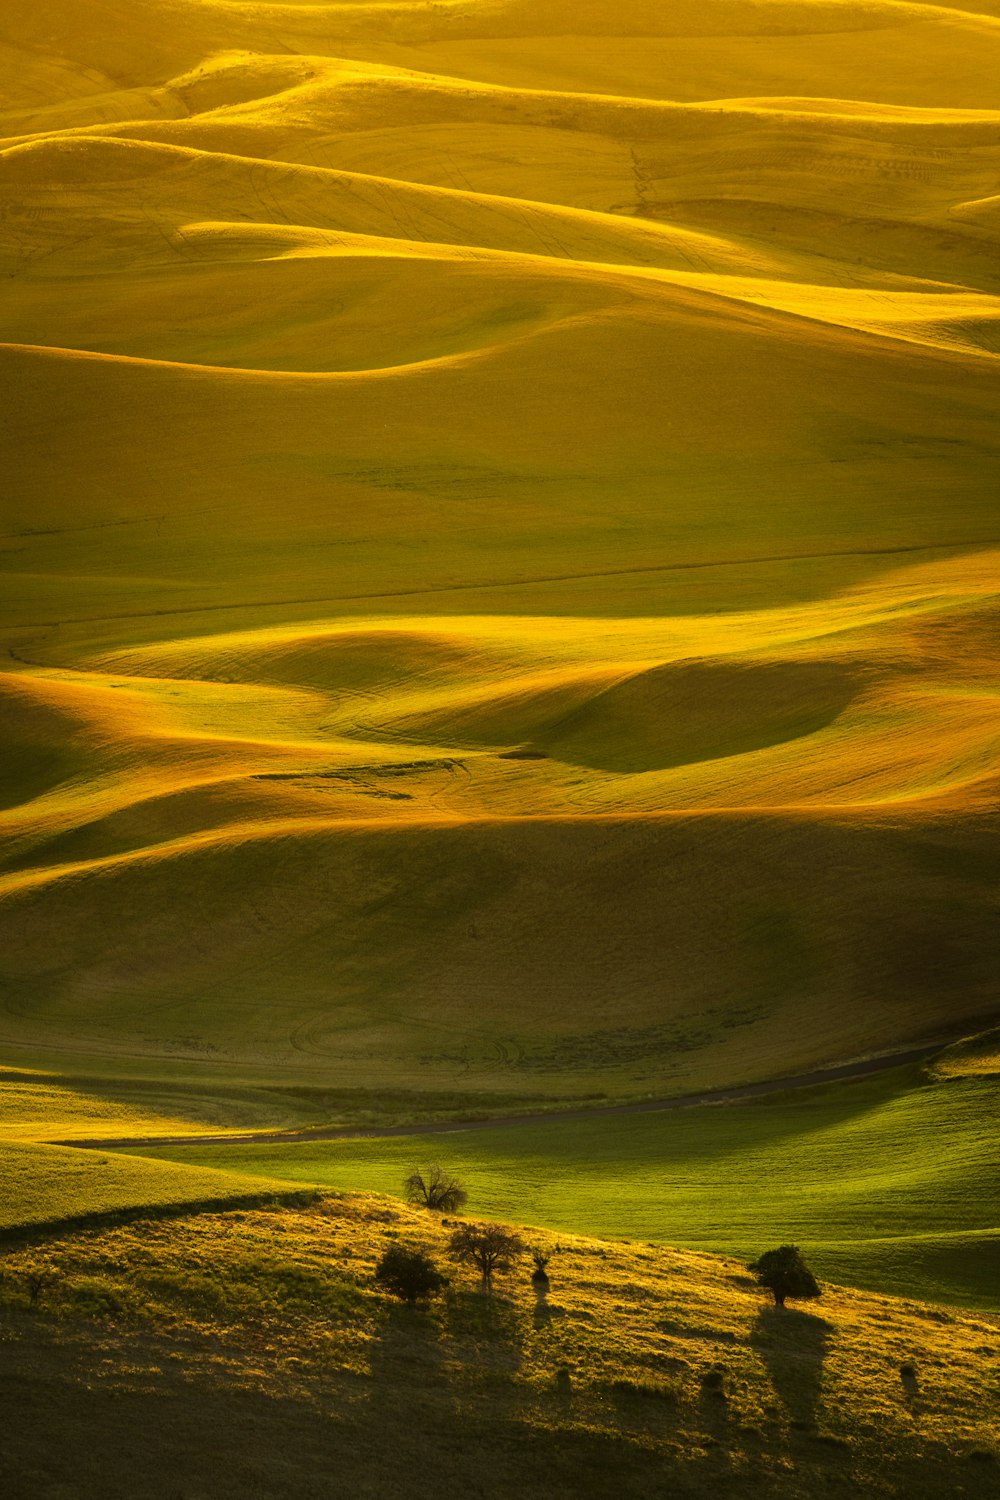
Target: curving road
column 861, row 1069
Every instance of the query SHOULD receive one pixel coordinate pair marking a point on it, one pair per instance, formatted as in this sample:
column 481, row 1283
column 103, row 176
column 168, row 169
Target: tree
column 433, row 1188
column 409, row 1275
column 785, row 1274
column 488, row 1247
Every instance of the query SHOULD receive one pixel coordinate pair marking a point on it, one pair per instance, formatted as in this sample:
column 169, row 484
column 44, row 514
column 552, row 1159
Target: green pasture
column 45, row 1187
column 891, row 1182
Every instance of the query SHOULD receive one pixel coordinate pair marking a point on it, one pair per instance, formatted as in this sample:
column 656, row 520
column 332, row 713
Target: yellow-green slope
column 501, row 537
column 45, row 1188
column 254, row 1350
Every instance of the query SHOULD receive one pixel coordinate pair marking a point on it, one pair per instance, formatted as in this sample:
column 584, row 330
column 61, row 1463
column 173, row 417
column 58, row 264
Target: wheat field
column 501, row 538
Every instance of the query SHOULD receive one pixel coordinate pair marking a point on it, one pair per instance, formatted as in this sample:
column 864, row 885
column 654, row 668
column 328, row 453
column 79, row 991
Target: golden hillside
column 502, row 535
column 251, row 1352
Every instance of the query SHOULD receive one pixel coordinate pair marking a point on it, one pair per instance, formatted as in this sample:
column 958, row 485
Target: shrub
column 39, row 1280
column 96, row 1296
column 643, row 1390
column 433, row 1188
column 540, row 1275
column 409, row 1275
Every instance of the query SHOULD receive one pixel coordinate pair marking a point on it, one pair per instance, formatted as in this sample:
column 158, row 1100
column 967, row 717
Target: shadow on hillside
column 544, row 1311
column 480, row 1329
column 793, row 1346
column 406, row 1350
column 398, row 1434
column 425, row 1356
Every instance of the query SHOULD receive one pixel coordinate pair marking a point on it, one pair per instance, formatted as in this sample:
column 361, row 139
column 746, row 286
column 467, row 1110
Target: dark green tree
column 785, row 1274
column 409, row 1275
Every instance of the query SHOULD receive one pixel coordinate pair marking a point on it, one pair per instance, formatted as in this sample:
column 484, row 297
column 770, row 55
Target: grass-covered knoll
column 975, row 1056
column 46, row 1186
column 891, row 1183
column 251, row 1353
column 45, row 1106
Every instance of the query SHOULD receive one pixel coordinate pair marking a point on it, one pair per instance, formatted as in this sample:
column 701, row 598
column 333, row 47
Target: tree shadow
column 910, row 1382
column 406, row 1350
column 713, row 1410
column 793, row 1346
column 483, row 1329
column 544, row 1311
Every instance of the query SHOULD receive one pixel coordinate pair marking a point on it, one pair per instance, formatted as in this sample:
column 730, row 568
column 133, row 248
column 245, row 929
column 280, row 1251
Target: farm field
column 501, row 541
column 47, row 1187
column 37, row 1105
column 499, row 615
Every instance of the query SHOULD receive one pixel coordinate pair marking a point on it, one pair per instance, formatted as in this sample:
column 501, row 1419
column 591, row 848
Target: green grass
column 559, row 383
column 892, row 1182
column 44, row 1187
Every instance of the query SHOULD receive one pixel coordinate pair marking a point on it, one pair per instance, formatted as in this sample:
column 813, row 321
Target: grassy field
column 501, row 543
column 45, row 1187
column 45, row 1107
column 249, row 1353
column 891, row 1182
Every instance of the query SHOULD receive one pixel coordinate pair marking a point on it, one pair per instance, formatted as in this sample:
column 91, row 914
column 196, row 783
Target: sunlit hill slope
column 502, row 537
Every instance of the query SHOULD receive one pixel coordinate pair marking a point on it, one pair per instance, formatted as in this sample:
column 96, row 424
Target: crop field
column 37, row 1106
column 501, row 539
column 499, row 615
column 251, row 1353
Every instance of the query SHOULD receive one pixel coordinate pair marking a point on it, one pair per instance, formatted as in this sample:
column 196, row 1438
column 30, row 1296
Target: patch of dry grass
column 271, row 1317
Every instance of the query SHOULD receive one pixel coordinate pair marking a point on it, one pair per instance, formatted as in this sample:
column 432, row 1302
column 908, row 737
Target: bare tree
column 434, row 1188
column 488, row 1247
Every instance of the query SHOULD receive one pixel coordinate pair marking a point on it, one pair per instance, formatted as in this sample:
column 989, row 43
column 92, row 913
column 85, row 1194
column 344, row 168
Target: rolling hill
column 887, row 1183
column 501, row 539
